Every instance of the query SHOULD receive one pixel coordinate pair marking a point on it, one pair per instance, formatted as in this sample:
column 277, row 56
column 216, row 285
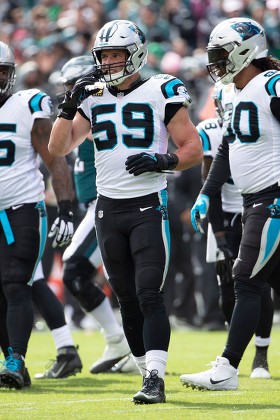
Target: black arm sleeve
column 170, row 111
column 275, row 107
column 219, row 171
column 215, row 213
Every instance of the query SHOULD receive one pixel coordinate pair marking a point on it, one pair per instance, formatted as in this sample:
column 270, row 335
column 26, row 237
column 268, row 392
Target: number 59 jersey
column 129, row 122
column 20, row 179
column 253, row 133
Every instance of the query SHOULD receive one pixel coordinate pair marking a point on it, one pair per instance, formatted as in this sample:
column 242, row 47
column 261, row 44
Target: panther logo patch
column 274, row 210
column 246, row 29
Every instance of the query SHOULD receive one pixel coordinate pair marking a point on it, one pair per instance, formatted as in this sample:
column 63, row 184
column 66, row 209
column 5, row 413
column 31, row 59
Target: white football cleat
column 260, row 373
column 126, row 365
column 221, row 377
column 115, row 350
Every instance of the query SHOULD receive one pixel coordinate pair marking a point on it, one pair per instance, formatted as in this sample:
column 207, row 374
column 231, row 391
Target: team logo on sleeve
column 181, row 90
column 274, row 211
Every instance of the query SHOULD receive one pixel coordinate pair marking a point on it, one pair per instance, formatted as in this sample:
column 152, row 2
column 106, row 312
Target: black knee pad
column 77, row 277
column 129, row 309
column 17, row 271
column 151, row 301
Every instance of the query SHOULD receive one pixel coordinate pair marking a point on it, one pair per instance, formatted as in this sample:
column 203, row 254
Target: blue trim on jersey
column 272, row 237
column 43, row 228
column 270, row 85
column 163, row 199
column 35, row 102
column 269, row 242
column 206, row 145
column 7, row 227
column 168, row 88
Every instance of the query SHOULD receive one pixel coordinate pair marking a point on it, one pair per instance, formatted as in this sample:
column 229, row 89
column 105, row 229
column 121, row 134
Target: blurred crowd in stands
column 46, row 34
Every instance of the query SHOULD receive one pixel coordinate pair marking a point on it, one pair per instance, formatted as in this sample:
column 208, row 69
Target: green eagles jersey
column 85, row 173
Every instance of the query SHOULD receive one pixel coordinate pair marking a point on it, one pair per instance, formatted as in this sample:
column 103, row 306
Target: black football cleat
column 13, row 371
column 67, row 363
column 152, row 391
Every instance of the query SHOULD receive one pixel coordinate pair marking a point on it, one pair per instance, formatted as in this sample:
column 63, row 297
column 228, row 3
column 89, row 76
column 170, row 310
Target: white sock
column 262, row 342
column 105, row 317
column 156, row 359
column 141, row 364
column 62, row 337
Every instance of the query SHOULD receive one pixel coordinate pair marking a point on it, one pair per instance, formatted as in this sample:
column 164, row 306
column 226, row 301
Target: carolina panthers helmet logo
column 138, row 31
column 246, row 29
column 274, row 210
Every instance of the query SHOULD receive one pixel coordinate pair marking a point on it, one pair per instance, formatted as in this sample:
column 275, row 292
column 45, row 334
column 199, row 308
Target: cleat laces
column 10, row 363
column 150, row 382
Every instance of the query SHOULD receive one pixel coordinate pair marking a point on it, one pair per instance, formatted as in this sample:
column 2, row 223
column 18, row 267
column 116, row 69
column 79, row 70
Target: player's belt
column 273, row 191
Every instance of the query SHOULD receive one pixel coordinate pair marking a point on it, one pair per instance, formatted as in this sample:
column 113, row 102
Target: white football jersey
column 211, row 135
column 20, row 179
column 253, row 132
column 128, row 123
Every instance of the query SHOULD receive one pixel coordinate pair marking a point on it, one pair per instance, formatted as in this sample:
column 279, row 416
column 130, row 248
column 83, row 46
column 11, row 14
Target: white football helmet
column 120, row 35
column 233, row 44
column 7, row 59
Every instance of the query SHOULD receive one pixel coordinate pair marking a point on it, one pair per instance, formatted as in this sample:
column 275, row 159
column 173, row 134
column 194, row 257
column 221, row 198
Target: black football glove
column 224, row 261
column 145, row 162
column 62, row 228
column 73, row 98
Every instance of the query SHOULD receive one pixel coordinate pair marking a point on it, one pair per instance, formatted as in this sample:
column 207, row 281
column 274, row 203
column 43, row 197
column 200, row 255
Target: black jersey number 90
column 134, row 116
column 252, row 131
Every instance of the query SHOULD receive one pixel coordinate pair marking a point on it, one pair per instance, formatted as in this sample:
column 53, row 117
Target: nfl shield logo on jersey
column 100, row 214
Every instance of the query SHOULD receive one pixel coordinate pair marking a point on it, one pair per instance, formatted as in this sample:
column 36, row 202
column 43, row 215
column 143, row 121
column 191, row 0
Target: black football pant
column 17, row 263
column 133, row 236
column 258, row 262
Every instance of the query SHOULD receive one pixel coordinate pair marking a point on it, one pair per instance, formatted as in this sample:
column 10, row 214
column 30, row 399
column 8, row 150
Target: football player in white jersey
column 131, row 120
column 82, row 257
column 250, row 152
column 25, row 127
column 224, row 233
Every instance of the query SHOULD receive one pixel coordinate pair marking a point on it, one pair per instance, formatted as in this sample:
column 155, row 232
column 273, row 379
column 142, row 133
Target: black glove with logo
column 62, row 228
column 145, row 162
column 73, row 98
column 224, row 261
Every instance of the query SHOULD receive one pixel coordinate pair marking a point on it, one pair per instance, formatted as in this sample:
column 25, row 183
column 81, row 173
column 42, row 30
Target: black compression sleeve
column 170, row 111
column 275, row 108
column 219, row 171
column 215, row 213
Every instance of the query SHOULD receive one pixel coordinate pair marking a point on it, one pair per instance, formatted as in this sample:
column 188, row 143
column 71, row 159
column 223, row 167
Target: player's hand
column 145, row 162
column 62, row 228
column 199, row 211
column 224, row 260
column 82, row 89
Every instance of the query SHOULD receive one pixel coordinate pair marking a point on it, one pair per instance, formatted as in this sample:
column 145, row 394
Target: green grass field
column 108, row 396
